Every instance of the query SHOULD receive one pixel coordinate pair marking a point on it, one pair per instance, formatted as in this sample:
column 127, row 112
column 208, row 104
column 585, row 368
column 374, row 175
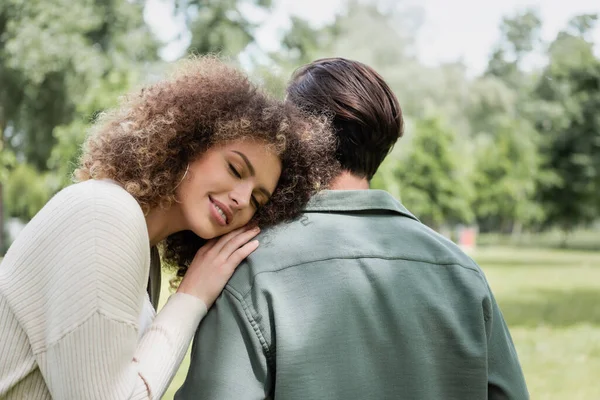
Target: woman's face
column 224, row 187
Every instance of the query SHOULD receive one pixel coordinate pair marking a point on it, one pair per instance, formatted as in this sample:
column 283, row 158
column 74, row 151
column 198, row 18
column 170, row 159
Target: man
column 357, row 299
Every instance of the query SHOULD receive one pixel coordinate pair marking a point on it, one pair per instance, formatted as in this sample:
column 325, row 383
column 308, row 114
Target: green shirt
column 355, row 300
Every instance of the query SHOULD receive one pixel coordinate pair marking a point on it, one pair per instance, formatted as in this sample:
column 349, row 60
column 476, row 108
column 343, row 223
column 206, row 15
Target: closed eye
column 235, row 171
column 255, row 203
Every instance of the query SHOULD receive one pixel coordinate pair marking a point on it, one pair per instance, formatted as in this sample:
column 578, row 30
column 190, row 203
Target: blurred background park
column 502, row 144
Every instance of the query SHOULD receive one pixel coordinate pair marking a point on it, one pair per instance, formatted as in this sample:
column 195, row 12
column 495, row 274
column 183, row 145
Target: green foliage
column 497, row 118
column 51, row 53
column 491, row 102
column 508, row 168
column 102, row 94
column 7, row 162
column 517, row 147
column 583, row 24
column 394, row 46
column 521, row 32
column 303, row 43
column 220, row 26
column 272, row 81
column 507, row 173
column 26, row 191
column 61, row 63
column 570, row 91
column 432, row 183
column 520, row 36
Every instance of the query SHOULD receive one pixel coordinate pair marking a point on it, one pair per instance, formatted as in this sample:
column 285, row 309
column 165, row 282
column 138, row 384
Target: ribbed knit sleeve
column 78, row 281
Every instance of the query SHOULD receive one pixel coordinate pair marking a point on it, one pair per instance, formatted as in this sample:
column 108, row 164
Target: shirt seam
column 83, row 321
column 333, row 210
column 386, row 204
column 249, row 311
column 95, row 215
column 432, row 263
column 258, row 331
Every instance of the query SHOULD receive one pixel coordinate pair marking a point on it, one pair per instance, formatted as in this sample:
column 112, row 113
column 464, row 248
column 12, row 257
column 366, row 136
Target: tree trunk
column 517, row 229
column 565, row 238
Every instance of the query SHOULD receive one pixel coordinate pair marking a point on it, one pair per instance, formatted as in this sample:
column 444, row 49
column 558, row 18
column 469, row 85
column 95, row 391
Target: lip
column 216, row 213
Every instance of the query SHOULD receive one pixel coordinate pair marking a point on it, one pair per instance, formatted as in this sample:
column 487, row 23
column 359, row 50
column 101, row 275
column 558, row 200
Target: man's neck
column 348, row 181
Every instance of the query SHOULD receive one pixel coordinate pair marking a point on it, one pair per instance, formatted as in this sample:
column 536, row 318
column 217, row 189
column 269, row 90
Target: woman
column 193, row 162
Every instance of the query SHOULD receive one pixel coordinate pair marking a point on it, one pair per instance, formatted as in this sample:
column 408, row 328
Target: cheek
column 244, row 218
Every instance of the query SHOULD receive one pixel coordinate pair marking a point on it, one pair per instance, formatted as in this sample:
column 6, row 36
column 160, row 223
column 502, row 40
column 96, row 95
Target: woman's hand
column 215, row 262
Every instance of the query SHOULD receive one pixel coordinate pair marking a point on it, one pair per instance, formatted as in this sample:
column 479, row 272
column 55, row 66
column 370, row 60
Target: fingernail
column 256, row 229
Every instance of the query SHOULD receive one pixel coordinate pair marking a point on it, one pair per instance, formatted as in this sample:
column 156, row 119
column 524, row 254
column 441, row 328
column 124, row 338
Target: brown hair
column 366, row 115
column 146, row 143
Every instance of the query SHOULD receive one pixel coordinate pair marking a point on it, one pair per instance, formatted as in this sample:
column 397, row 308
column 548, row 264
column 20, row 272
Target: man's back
column 357, row 300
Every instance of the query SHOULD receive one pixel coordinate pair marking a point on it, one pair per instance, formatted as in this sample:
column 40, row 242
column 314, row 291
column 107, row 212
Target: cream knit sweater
column 72, row 295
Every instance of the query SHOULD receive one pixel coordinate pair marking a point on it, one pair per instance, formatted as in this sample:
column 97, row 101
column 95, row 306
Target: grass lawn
column 551, row 301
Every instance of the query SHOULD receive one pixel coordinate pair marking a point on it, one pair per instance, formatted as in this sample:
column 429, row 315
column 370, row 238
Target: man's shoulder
column 339, row 236
column 283, row 246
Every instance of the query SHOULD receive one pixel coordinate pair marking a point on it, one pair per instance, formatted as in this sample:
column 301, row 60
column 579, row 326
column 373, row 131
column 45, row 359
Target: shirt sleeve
column 228, row 359
column 94, row 296
column 505, row 377
column 101, row 358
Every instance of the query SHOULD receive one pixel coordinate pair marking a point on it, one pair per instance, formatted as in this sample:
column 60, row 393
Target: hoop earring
column 183, row 177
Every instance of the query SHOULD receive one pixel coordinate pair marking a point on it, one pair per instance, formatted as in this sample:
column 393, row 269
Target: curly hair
column 146, row 143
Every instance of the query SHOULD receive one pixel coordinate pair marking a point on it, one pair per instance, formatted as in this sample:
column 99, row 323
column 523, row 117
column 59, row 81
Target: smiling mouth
column 221, row 212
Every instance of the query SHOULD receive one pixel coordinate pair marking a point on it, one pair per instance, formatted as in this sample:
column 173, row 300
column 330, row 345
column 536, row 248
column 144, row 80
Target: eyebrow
column 252, row 172
column 248, row 163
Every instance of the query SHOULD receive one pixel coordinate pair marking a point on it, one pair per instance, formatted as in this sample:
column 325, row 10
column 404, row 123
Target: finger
column 209, row 244
column 205, row 248
column 240, row 254
column 216, row 244
column 223, row 240
column 238, row 242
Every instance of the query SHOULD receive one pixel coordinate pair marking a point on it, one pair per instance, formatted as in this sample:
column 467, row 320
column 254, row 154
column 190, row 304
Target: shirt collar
column 356, row 200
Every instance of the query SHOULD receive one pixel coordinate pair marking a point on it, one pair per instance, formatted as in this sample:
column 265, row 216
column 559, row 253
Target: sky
column 452, row 30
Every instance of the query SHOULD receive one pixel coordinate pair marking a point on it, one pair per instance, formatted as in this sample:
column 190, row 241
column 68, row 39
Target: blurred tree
column 583, row 24
column 505, row 180
column 383, row 36
column 7, row 162
column 221, row 26
column 508, row 168
column 568, row 118
column 520, row 35
column 301, row 44
column 392, row 54
column 521, row 32
column 53, row 55
column 38, row 188
column 491, row 101
column 431, row 181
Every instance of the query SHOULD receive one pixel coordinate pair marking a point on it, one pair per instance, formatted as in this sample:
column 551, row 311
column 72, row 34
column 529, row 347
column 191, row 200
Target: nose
column 240, row 196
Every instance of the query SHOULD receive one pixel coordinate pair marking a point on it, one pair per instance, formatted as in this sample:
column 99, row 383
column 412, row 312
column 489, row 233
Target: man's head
column 365, row 112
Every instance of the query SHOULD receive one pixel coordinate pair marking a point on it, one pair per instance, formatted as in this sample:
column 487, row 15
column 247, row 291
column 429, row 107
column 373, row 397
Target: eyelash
column 235, row 172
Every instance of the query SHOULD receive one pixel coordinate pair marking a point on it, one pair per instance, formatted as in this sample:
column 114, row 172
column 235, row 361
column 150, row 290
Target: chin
column 205, row 232
column 209, row 231
column 206, row 235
